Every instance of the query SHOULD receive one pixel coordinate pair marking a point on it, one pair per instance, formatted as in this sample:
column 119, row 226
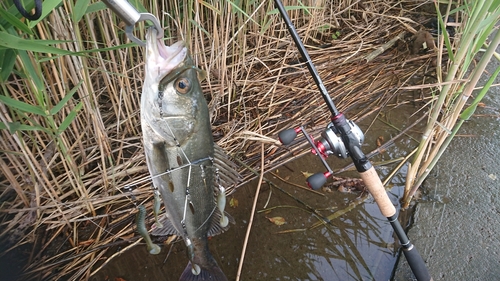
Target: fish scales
column 179, row 150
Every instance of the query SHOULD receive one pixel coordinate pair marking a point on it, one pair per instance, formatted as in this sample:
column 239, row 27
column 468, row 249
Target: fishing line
column 150, row 177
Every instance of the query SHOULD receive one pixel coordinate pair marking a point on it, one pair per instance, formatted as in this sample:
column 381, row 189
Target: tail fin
column 212, row 274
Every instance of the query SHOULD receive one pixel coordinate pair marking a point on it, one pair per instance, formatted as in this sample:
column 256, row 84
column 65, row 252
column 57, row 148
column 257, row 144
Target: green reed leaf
column 14, row 21
column 92, row 8
column 16, row 126
column 65, row 100
column 467, row 113
column 80, row 10
column 71, row 116
column 25, row 107
column 7, row 61
column 47, row 7
column 13, row 42
column 442, row 27
column 29, row 70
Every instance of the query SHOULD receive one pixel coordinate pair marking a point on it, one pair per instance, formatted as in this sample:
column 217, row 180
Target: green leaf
column 95, row 7
column 442, row 27
column 63, row 102
column 10, row 102
column 13, row 42
column 467, row 113
column 10, row 18
column 30, row 70
column 494, row 5
column 80, row 9
column 16, row 126
column 242, row 12
column 71, row 116
column 47, row 7
column 7, row 61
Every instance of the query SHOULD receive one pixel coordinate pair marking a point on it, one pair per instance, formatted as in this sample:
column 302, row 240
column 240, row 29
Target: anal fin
column 215, row 226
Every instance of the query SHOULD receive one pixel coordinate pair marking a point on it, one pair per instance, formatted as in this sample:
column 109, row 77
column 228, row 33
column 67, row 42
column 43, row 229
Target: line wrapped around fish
column 187, row 169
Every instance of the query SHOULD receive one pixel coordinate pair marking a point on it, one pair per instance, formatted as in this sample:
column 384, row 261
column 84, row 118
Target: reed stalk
column 71, row 156
column 477, row 21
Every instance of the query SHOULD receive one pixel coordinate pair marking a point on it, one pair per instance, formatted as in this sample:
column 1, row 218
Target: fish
column 182, row 158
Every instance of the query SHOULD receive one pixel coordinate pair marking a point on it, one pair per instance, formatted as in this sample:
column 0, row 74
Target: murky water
column 358, row 244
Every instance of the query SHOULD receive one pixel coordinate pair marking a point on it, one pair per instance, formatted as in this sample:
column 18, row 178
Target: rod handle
column 417, row 264
column 377, row 190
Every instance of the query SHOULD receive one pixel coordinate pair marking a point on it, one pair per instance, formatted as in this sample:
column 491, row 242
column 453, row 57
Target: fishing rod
column 343, row 138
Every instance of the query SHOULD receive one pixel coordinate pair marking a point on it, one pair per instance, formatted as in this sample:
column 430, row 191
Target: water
column 359, row 244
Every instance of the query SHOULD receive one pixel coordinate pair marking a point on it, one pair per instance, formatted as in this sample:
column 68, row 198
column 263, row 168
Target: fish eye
column 182, row 85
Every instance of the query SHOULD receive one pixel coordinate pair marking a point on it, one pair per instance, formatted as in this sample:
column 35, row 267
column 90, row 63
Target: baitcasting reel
column 330, row 143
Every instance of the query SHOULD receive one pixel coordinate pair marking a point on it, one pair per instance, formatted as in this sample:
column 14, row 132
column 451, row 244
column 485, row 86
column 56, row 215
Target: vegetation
column 457, row 81
column 71, row 157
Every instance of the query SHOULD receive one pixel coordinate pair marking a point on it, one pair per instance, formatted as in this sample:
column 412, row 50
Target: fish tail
column 213, row 274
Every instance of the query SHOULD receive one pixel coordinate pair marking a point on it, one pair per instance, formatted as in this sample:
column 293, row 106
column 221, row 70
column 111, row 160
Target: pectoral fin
column 167, row 229
column 228, row 174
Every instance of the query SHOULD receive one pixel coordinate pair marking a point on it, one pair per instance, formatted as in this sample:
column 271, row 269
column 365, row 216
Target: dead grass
column 71, row 196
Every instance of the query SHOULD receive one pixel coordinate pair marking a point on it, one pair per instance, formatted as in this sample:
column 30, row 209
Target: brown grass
column 69, row 197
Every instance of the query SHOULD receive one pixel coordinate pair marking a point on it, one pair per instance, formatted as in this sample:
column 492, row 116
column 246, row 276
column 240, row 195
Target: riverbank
column 457, row 224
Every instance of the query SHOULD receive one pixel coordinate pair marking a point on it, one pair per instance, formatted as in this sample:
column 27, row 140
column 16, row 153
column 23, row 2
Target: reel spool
column 330, row 143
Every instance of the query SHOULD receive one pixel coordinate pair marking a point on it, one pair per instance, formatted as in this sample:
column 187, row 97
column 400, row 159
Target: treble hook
column 24, row 13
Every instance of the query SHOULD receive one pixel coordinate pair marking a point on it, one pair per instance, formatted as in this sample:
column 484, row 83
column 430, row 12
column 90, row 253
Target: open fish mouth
column 162, row 59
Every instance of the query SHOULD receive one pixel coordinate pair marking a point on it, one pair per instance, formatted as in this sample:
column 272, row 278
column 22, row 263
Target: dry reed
column 71, row 196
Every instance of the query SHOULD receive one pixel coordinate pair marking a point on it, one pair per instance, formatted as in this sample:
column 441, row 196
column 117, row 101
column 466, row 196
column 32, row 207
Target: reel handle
column 317, row 180
column 287, row 136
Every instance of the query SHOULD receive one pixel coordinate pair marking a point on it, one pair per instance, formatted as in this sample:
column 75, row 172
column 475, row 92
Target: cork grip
column 377, row 190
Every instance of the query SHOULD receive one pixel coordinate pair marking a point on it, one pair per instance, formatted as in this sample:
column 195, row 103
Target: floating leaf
column 233, row 202
column 277, row 220
column 306, row 174
column 380, row 140
column 169, row 240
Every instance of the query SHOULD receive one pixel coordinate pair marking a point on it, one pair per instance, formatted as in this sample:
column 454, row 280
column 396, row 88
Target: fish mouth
column 162, row 59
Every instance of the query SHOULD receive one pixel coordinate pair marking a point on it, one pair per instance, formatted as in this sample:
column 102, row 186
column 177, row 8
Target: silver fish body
column 179, row 150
